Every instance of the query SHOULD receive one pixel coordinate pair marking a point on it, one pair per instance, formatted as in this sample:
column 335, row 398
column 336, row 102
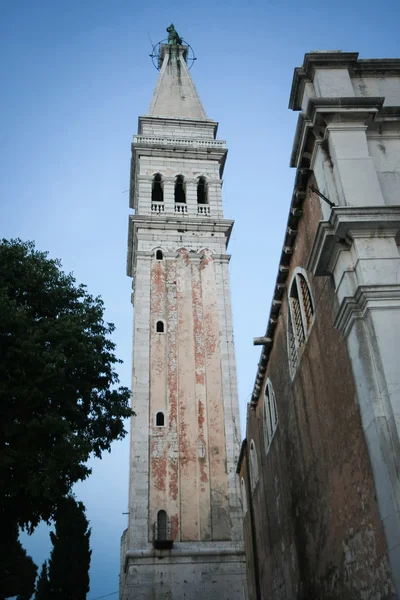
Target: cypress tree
column 42, row 586
column 70, row 558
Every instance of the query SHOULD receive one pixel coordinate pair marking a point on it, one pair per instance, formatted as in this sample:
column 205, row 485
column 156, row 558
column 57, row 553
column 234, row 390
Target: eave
column 294, row 217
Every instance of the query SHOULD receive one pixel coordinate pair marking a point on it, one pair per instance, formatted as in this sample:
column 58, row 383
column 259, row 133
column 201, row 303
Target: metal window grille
column 271, row 426
column 266, row 429
column 306, row 301
column 293, row 358
column 274, row 411
column 297, row 320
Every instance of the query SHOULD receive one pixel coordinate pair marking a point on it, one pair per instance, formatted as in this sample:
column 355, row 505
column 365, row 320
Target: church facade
column 184, row 537
column 319, row 468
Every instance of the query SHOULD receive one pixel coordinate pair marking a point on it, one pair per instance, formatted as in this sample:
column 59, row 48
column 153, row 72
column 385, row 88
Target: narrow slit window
column 160, row 422
column 160, row 327
column 157, row 192
column 159, row 255
column 180, row 194
column 202, row 191
column 161, row 525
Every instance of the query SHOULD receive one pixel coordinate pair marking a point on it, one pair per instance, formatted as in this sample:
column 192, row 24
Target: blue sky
column 75, row 77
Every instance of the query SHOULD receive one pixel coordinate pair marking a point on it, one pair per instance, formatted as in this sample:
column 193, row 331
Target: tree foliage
column 17, row 569
column 58, row 400
column 69, row 563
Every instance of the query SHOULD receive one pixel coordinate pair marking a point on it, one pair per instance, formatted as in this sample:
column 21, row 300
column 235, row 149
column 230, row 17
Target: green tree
column 58, row 400
column 42, row 585
column 70, row 558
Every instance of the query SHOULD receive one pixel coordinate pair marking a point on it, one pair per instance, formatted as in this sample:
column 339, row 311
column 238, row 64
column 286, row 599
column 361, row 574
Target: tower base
column 189, row 570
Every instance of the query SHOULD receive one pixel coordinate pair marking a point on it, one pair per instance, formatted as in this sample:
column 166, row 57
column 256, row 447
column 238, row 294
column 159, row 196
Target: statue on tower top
column 173, row 36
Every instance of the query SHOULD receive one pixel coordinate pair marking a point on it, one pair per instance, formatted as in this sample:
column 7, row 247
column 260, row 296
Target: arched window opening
column 270, row 415
column 157, row 192
column 202, row 191
column 160, row 419
column 180, row 194
column 161, row 525
column 300, row 317
column 160, row 327
column 253, row 465
column 159, row 255
column 244, row 495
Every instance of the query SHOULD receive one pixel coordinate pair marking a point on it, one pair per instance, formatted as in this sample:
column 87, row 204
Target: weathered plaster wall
column 318, row 531
column 188, row 467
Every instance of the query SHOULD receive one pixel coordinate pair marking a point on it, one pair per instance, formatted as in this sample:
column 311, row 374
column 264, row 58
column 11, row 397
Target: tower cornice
column 172, row 223
column 167, row 121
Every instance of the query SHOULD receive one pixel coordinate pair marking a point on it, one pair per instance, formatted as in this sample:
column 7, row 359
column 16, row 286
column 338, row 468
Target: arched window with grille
column 300, row 317
column 253, row 465
column 202, row 191
column 270, row 415
column 157, row 191
column 180, row 192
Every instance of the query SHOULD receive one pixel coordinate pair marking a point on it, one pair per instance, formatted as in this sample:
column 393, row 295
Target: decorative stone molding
column 365, row 299
column 335, row 235
column 162, row 142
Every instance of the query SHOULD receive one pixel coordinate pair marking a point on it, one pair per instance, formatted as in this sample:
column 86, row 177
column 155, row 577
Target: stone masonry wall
column 318, row 532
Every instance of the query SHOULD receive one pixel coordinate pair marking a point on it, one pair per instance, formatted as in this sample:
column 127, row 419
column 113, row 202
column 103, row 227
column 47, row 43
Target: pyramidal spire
column 175, row 94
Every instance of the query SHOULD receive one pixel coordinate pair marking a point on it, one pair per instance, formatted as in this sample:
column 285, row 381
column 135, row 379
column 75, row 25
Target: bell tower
column 184, row 535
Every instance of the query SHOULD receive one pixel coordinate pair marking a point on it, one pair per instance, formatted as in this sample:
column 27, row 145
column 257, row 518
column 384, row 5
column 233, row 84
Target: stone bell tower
column 184, row 535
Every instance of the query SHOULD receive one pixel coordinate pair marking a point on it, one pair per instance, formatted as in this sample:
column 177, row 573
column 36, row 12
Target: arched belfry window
column 161, row 525
column 157, row 192
column 160, row 421
column 253, row 465
column 159, row 255
column 270, row 415
column 202, row 191
column 180, row 194
column 300, row 317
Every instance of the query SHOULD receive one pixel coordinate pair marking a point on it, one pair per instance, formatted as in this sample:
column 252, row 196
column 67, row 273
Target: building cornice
column 312, row 61
column 173, row 223
column 366, row 298
column 295, row 214
column 168, row 121
column 375, row 66
column 320, row 111
column 344, row 222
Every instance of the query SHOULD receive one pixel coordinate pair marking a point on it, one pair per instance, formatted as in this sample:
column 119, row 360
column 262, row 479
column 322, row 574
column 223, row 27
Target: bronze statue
column 173, row 36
